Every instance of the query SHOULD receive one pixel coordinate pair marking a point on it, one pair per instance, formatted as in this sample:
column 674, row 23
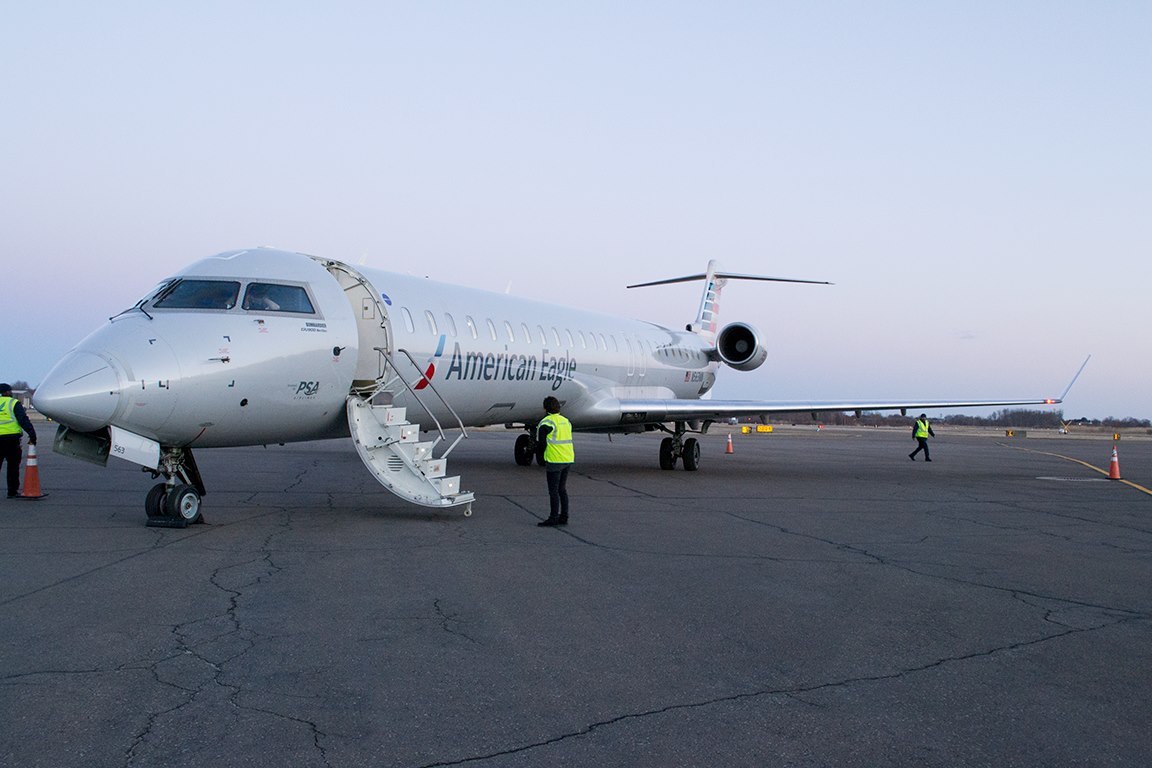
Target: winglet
column 1083, row 365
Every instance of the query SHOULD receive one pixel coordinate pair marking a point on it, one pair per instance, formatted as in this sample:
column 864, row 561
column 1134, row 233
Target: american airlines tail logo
column 426, row 379
column 711, row 307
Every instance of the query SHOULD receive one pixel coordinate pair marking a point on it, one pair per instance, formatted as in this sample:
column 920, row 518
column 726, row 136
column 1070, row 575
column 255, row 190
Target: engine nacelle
column 738, row 345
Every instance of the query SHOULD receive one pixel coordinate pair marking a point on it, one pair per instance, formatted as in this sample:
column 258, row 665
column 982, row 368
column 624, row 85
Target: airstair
column 391, row 446
column 388, row 443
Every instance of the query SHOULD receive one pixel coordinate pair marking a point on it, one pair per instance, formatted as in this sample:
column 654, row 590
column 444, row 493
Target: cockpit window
column 274, row 297
column 199, row 294
column 155, row 292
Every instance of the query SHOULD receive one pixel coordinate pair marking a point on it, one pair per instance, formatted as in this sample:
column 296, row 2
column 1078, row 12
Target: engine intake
column 738, row 346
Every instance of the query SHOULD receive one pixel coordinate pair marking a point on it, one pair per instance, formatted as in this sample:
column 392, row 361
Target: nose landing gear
column 175, row 503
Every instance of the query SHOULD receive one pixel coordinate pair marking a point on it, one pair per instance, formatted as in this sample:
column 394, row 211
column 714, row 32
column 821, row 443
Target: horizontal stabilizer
column 728, row 276
column 715, row 279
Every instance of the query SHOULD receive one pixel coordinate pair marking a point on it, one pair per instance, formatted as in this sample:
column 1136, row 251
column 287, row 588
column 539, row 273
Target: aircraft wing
column 660, row 411
column 656, row 411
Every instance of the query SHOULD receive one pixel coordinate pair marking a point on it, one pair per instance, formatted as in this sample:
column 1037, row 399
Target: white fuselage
column 228, row 376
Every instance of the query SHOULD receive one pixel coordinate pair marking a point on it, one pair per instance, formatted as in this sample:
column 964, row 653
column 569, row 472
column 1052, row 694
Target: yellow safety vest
column 558, row 448
column 921, row 428
column 8, row 423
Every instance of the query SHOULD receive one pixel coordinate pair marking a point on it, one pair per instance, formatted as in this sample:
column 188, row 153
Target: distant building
column 25, row 397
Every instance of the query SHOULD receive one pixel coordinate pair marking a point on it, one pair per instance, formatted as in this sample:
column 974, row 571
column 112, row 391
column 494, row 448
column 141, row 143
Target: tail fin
column 714, row 282
column 705, row 322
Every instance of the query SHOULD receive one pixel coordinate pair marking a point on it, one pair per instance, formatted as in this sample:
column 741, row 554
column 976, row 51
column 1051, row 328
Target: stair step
column 392, row 450
column 403, row 433
column 392, row 415
column 447, row 486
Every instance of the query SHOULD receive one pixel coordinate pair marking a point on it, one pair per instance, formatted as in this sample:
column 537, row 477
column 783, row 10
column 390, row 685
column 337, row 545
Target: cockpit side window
column 155, row 293
column 199, row 294
column 275, row 297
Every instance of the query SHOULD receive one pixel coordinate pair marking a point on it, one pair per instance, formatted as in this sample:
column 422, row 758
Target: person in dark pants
column 921, row 431
column 555, row 451
column 13, row 421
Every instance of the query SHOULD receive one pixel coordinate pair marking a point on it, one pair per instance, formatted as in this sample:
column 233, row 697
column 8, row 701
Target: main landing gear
column 676, row 447
column 525, row 449
column 672, row 449
column 175, row 503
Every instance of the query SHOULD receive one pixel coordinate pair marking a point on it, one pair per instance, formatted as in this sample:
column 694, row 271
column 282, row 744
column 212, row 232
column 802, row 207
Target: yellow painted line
column 1104, row 472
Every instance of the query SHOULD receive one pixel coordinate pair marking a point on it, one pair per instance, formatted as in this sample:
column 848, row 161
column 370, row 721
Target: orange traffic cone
column 32, row 477
column 729, row 448
column 1114, row 469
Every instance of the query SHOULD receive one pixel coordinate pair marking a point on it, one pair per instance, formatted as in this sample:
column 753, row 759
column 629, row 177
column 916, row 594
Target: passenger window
column 583, row 342
column 431, row 321
column 471, row 325
column 492, row 329
column 603, row 343
column 527, row 333
column 540, row 333
column 450, row 323
column 571, row 343
column 273, row 297
column 508, row 330
column 556, row 336
column 407, row 319
column 200, row 294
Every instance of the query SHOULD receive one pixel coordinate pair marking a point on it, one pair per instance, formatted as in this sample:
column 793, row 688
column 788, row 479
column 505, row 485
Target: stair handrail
column 389, row 363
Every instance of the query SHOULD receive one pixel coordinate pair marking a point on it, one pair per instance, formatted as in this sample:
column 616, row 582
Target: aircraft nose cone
column 82, row 392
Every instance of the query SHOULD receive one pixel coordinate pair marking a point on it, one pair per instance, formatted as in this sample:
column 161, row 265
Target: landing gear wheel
column 667, row 454
column 691, row 454
column 524, row 450
column 154, row 501
column 183, row 503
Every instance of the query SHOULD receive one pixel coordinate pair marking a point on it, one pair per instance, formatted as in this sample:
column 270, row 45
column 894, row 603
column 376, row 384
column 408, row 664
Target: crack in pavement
column 207, row 645
column 880, row 560
column 790, row 692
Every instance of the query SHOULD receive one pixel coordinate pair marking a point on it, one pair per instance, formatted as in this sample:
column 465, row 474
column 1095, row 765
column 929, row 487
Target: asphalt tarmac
column 814, row 599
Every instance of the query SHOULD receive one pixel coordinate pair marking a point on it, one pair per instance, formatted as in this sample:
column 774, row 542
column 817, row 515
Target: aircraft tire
column 691, row 454
column 183, row 503
column 524, row 451
column 154, row 501
column 667, row 457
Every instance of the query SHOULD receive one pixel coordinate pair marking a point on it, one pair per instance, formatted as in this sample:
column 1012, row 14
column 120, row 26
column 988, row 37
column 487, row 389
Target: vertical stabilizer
column 709, row 312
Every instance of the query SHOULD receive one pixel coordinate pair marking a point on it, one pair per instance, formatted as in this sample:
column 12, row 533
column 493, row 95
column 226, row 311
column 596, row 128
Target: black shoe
column 549, row 522
column 927, row 459
column 562, row 521
column 912, row 456
column 13, row 495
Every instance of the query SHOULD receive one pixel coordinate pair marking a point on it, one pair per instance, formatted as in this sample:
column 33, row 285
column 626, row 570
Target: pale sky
column 974, row 177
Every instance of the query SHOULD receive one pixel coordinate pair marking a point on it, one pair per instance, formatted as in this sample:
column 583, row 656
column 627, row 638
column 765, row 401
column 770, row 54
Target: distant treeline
column 1019, row 418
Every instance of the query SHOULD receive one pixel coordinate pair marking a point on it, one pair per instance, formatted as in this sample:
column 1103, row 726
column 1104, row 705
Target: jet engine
column 738, row 345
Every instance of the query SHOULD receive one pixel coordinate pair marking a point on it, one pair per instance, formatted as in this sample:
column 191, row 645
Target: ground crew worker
column 13, row 421
column 556, row 452
column 921, row 430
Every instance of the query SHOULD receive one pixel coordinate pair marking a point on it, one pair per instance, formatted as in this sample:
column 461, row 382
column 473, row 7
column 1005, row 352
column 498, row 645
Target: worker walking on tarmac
column 555, row 451
column 13, row 421
column 921, row 431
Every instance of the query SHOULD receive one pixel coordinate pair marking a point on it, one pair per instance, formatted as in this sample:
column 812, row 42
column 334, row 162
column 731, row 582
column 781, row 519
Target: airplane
column 265, row 346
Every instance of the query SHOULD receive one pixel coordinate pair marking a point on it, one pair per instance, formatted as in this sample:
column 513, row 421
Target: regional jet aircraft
column 265, row 346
